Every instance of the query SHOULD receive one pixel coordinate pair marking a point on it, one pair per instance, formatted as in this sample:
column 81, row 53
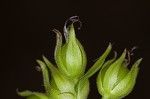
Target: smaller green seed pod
column 115, row 80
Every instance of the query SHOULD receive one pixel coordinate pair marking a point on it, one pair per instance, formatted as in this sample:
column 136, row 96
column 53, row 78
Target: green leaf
column 93, row 69
column 33, row 95
column 45, row 76
column 98, row 63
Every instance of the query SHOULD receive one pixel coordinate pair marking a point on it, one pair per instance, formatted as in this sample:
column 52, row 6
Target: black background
column 29, row 35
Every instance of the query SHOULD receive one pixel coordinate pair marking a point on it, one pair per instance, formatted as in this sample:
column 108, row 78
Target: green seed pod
column 62, row 87
column 71, row 57
column 115, row 80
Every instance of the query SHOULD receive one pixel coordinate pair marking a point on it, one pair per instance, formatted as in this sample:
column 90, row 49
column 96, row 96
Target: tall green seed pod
column 115, row 80
column 70, row 57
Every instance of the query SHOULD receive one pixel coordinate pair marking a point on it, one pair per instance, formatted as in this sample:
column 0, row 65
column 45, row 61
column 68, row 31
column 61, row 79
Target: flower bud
column 70, row 57
column 115, row 80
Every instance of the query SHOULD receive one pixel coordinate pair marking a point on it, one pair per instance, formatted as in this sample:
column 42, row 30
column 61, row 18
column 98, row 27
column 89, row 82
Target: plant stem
column 105, row 97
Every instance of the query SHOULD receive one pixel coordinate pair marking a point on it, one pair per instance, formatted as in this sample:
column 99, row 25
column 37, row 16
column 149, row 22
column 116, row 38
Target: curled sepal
column 33, row 95
column 58, row 53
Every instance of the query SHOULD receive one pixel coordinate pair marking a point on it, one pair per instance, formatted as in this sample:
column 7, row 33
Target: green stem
column 107, row 97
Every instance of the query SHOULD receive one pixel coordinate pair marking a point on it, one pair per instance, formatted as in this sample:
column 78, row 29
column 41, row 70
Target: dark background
column 29, row 35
